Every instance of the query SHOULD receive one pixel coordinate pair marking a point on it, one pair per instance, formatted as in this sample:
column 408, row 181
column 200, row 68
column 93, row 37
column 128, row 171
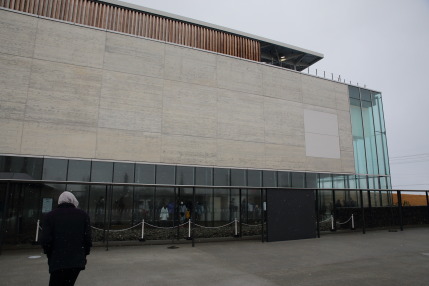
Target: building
column 109, row 92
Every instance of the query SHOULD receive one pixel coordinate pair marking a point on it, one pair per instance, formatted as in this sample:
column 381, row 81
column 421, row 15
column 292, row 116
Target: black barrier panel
column 290, row 215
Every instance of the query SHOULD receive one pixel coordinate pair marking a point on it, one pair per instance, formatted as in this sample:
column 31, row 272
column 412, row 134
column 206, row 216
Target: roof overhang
column 272, row 52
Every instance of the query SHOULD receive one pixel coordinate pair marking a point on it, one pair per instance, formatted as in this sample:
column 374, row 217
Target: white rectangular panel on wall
column 321, row 134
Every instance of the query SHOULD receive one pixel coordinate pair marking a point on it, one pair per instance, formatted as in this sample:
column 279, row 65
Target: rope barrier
column 213, row 226
column 119, row 230
column 328, row 219
column 345, row 221
column 252, row 225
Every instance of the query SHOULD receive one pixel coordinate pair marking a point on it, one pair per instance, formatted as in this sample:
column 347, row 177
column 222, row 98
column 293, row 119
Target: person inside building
column 163, row 215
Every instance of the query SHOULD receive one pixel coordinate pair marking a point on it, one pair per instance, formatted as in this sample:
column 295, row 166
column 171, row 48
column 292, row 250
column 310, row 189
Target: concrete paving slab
column 375, row 258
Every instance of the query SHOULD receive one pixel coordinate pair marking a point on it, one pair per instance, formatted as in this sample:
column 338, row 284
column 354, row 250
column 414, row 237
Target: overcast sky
column 383, row 44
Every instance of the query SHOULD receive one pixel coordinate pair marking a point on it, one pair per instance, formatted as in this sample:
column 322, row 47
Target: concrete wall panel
column 284, row 157
column 14, row 79
column 240, row 154
column 130, row 102
column 318, row 92
column 134, row 55
column 240, row 116
column 189, row 109
column 190, row 65
column 18, row 33
column 342, row 96
column 53, row 139
column 88, row 93
column 63, row 94
column 316, row 164
column 239, row 75
column 347, row 162
column 282, row 84
column 284, row 122
column 69, row 44
column 11, row 136
column 115, row 144
column 188, row 150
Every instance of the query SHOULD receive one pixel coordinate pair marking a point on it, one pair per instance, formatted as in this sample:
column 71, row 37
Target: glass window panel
column 98, row 206
column 165, row 174
column 252, row 211
column 325, row 181
column 365, row 94
column 254, row 178
column 81, row 192
column 325, row 208
column 338, row 181
column 311, row 180
column 203, row 176
column 55, row 169
column 221, row 177
column 21, row 167
column 362, row 180
column 238, row 177
column 269, row 179
column 185, row 175
column 123, row 173
column 101, row 171
column 221, row 206
column 145, row 174
column 369, row 134
column 144, row 201
column 79, row 171
column 358, row 137
column 354, row 92
column 165, row 198
column 284, row 179
column 204, row 207
column 122, row 206
column 352, row 182
column 298, row 180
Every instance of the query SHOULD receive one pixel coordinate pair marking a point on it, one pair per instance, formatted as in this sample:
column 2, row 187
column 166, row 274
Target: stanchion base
column 35, row 243
column 188, row 238
column 353, row 228
column 142, row 239
column 333, row 229
column 236, row 235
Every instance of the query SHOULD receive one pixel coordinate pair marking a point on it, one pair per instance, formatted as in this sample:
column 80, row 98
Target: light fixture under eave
column 282, row 58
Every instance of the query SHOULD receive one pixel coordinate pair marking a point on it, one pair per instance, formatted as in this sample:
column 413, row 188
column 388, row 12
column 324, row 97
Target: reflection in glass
column 284, row 179
column 165, row 175
column 102, row 171
column 145, row 174
column 298, row 180
column 269, row 178
column 79, row 171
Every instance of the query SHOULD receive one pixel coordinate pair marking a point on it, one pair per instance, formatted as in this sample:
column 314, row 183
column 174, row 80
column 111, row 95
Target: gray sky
column 383, row 44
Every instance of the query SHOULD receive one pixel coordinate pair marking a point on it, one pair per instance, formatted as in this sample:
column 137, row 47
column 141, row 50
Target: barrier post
column 37, row 231
column 401, row 225
column 142, row 238
column 332, row 223
column 235, row 227
column 189, row 230
column 353, row 222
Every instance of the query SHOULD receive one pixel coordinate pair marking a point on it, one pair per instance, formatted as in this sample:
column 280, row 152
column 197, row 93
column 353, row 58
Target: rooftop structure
column 141, row 21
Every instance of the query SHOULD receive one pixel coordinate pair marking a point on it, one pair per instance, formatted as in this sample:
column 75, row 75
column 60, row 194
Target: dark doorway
column 290, row 215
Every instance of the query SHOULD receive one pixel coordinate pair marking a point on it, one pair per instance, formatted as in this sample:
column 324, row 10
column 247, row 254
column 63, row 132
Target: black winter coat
column 66, row 237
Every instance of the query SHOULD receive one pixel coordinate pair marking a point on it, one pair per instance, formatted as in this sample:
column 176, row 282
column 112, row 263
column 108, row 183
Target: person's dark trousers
column 64, row 277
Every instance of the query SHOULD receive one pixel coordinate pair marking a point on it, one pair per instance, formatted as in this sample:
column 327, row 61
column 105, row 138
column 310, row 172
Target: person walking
column 66, row 240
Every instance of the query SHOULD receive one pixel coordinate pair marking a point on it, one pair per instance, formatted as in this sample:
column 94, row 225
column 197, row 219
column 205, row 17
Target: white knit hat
column 67, row 197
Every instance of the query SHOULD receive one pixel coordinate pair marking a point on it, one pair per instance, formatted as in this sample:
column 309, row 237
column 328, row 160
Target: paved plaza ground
column 375, row 258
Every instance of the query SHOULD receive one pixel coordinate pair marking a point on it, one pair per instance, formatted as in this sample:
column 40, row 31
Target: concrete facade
column 79, row 92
